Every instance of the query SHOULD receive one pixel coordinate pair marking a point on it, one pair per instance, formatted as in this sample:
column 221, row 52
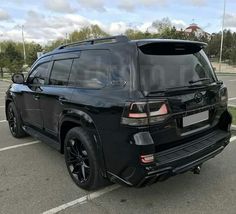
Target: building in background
column 197, row 31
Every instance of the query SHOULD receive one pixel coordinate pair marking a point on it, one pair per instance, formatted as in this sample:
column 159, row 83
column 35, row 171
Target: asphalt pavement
column 34, row 179
column 230, row 82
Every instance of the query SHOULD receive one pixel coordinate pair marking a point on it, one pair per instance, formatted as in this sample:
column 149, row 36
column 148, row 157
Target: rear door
column 56, row 95
column 181, row 74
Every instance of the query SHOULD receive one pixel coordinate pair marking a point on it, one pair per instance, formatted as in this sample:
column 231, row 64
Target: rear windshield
column 171, row 69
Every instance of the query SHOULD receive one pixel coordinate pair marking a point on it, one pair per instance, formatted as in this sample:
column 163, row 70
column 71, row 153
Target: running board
column 38, row 135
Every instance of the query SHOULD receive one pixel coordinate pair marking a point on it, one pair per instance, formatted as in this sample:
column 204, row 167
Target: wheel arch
column 74, row 118
column 78, row 118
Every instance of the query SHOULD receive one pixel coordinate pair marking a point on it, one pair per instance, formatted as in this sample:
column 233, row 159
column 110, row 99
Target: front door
column 31, row 112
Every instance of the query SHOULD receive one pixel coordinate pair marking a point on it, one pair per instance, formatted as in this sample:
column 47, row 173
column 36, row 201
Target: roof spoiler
column 170, row 47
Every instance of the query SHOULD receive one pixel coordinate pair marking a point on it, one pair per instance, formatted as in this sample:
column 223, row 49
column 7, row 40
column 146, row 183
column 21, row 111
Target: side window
column 91, row 69
column 60, row 72
column 39, row 75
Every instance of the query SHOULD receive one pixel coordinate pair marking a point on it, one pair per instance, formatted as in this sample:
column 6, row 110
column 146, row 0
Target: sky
column 47, row 20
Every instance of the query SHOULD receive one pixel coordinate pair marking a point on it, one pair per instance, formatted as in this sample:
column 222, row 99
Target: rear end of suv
column 132, row 112
column 182, row 113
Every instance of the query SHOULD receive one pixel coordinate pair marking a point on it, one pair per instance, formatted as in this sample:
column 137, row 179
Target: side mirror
column 18, row 78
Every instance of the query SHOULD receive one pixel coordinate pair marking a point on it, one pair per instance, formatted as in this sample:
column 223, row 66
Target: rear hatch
column 179, row 74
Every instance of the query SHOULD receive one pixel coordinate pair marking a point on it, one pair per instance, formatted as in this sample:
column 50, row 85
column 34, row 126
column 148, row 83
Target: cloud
column 153, row 2
column 60, row 6
column 117, row 27
column 43, row 28
column 230, row 20
column 47, row 28
column 4, row 15
column 127, row 5
column 97, row 5
column 198, row 3
column 130, row 5
column 179, row 24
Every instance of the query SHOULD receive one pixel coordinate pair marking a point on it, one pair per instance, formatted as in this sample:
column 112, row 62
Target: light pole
column 23, row 42
column 66, row 37
column 222, row 36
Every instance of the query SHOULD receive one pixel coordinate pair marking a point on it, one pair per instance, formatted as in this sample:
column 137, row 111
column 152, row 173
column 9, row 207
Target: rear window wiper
column 199, row 80
column 159, row 92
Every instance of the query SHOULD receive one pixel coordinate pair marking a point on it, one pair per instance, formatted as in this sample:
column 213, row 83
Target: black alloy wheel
column 12, row 120
column 15, row 122
column 81, row 157
column 77, row 160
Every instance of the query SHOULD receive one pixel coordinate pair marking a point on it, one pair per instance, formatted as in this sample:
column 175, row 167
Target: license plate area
column 195, row 118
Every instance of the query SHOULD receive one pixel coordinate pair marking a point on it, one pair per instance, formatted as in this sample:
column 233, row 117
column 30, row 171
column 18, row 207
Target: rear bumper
column 179, row 159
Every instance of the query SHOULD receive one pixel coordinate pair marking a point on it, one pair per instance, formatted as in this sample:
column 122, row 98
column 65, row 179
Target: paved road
column 230, row 82
column 34, row 179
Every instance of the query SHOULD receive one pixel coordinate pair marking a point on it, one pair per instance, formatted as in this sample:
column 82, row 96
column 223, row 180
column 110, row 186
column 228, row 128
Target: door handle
column 62, row 99
column 36, row 97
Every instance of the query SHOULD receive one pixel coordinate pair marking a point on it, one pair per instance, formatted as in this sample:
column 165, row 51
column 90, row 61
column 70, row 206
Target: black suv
column 133, row 112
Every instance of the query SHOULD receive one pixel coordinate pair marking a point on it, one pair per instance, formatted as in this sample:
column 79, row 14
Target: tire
column 15, row 122
column 82, row 160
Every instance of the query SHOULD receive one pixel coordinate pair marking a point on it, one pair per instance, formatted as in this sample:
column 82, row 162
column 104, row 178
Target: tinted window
column 60, row 72
column 40, row 74
column 91, row 69
column 159, row 72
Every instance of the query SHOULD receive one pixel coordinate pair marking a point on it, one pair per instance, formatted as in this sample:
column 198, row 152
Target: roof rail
column 119, row 38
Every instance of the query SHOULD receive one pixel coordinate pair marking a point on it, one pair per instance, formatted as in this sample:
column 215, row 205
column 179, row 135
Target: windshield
column 161, row 72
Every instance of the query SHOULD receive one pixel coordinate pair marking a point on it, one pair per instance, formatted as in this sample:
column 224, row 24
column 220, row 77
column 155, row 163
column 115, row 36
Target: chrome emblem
column 198, row 97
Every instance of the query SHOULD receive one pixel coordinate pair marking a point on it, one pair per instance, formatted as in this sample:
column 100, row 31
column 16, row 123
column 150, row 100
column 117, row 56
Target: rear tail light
column 147, row 158
column 144, row 113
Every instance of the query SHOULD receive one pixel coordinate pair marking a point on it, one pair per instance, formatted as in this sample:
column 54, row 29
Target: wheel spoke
column 77, row 148
column 86, row 166
column 10, row 120
column 77, row 160
column 85, row 158
column 83, row 171
column 71, row 152
column 76, row 169
column 72, row 161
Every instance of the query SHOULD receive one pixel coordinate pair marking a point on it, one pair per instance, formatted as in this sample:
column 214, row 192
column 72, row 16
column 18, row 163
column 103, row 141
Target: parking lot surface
column 230, row 82
column 34, row 179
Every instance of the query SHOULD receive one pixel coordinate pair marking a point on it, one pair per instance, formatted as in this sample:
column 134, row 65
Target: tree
column 92, row 31
column 32, row 49
column 135, row 34
column 13, row 59
column 2, row 64
column 97, row 32
column 53, row 45
column 162, row 25
column 89, row 32
column 232, row 57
